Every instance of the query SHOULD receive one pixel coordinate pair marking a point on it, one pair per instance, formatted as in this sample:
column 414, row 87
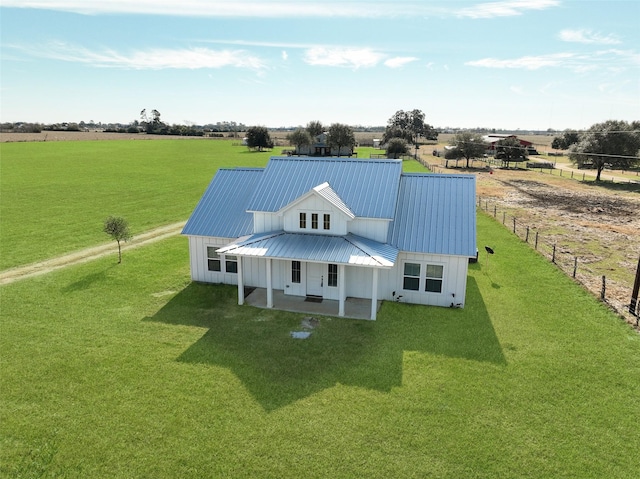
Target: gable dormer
column 319, row 211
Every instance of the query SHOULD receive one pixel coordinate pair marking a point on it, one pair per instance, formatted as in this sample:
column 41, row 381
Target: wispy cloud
column 607, row 60
column 398, row 62
column 588, row 36
column 343, row 57
column 526, row 63
column 505, row 9
column 236, row 8
column 152, row 59
column 285, row 8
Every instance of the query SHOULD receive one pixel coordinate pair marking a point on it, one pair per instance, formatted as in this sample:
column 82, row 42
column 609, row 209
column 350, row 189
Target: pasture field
column 131, row 370
column 56, row 195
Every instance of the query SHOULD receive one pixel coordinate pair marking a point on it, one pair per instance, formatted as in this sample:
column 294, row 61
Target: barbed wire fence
column 572, row 265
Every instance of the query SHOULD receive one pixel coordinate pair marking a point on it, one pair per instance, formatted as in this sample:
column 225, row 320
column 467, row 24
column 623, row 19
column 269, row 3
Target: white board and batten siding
column 266, row 222
column 375, row 229
column 254, row 269
column 454, row 280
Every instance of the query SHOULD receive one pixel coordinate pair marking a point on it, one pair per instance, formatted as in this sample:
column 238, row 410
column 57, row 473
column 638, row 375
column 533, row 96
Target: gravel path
column 88, row 254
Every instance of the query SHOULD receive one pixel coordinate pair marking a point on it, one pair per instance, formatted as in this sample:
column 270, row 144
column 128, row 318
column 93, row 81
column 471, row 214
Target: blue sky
column 527, row 64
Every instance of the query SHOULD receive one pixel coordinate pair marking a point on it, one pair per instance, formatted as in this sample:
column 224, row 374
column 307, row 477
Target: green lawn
column 132, row 371
column 56, row 195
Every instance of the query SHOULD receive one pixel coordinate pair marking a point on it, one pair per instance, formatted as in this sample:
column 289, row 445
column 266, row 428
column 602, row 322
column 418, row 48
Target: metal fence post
column 575, row 266
column 527, row 237
column 514, row 225
column 536, row 240
column 553, row 255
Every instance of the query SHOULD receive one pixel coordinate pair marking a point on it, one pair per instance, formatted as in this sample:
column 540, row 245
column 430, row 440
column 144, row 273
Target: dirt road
column 88, row 254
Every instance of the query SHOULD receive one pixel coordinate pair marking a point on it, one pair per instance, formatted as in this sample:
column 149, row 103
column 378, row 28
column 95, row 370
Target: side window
column 303, row 221
column 213, row 260
column 295, row 271
column 411, row 277
column 231, row 264
column 327, row 222
column 434, row 278
column 333, row 275
column 314, row 221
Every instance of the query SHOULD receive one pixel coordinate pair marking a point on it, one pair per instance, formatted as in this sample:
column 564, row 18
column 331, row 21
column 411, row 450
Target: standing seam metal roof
column 222, row 210
column 368, row 187
column 435, row 214
column 350, row 249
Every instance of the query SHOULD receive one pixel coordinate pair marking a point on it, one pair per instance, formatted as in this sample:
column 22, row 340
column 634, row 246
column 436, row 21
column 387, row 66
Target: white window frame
column 215, row 258
column 423, row 278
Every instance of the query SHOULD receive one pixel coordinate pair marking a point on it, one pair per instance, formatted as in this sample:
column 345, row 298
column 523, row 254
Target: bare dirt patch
column 598, row 224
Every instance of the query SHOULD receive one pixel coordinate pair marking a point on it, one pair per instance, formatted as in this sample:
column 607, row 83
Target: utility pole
column 633, row 305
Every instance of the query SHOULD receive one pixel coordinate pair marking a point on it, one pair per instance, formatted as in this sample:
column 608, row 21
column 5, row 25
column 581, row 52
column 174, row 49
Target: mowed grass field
column 131, row 370
column 55, row 196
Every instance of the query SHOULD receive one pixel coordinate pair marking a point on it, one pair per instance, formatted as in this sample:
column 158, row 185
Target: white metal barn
column 336, row 228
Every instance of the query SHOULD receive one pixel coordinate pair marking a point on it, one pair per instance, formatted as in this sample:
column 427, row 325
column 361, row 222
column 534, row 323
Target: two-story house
column 336, row 228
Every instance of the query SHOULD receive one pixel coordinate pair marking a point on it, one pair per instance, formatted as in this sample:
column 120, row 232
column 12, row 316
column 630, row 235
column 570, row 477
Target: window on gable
column 295, row 271
column 434, row 278
column 231, row 264
column 333, row 275
column 314, row 221
column 327, row 222
column 411, row 277
column 213, row 260
column 303, row 221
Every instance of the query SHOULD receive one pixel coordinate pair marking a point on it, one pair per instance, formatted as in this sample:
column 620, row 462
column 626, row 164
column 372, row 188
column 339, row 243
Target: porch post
column 269, row 285
column 240, row 282
column 341, row 288
column 374, row 294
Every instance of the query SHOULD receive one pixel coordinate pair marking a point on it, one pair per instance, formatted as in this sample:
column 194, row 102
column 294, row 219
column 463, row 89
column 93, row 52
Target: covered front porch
column 355, row 308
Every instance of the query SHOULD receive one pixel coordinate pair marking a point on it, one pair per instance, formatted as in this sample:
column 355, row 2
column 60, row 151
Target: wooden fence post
column 575, row 266
column 604, row 287
column 527, row 237
column 504, row 216
column 633, row 304
column 536, row 241
column 553, row 255
column 495, row 210
column 514, row 225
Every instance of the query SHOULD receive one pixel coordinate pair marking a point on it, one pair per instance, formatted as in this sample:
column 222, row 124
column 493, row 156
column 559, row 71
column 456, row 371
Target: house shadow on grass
column 256, row 344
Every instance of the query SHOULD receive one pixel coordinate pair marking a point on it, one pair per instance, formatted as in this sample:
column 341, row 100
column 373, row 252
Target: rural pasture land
column 131, row 370
column 56, row 195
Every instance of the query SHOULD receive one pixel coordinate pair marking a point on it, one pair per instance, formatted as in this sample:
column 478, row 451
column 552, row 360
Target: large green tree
column 341, row 136
column 258, row 137
column 409, row 125
column 151, row 121
column 564, row 141
column 510, row 149
column 397, row 147
column 613, row 143
column 299, row 138
column 315, row 128
column 468, row 145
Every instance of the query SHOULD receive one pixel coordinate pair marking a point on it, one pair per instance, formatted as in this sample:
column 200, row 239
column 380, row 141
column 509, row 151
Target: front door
column 315, row 279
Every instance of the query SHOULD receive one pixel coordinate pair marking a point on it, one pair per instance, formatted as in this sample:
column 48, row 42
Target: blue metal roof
column 350, row 249
column 368, row 187
column 436, row 214
column 222, row 210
